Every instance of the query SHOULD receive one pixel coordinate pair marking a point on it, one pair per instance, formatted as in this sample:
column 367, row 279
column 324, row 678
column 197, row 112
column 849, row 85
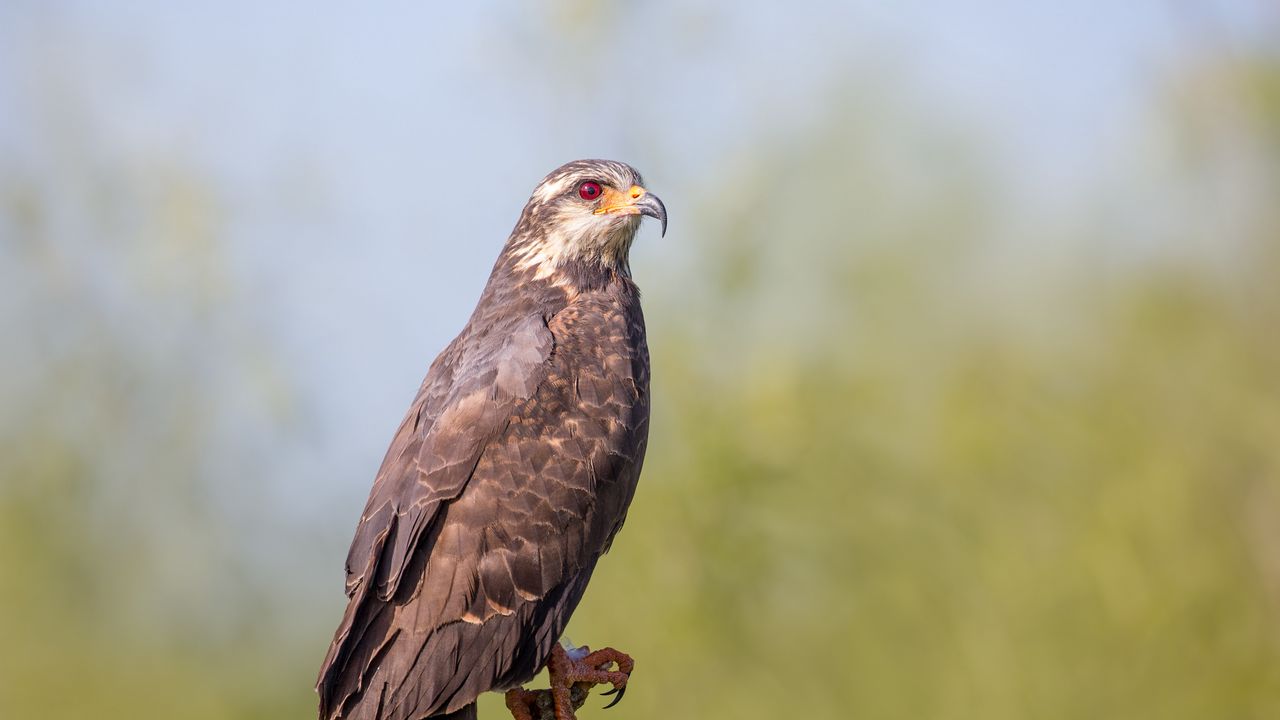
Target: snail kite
column 509, row 476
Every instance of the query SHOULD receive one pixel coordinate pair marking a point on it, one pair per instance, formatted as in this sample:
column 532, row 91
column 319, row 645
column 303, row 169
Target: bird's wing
column 475, row 603
column 463, row 404
column 465, row 401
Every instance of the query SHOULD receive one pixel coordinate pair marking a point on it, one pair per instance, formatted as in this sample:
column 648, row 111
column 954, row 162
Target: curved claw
column 621, row 691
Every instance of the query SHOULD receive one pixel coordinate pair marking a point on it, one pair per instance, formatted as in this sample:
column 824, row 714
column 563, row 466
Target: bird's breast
column 600, row 337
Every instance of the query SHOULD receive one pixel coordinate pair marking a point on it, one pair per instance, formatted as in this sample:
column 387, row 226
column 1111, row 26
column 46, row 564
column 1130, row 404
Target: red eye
column 589, row 190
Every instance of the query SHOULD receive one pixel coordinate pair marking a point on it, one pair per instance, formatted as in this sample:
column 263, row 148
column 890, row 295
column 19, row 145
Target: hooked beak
column 635, row 201
column 652, row 206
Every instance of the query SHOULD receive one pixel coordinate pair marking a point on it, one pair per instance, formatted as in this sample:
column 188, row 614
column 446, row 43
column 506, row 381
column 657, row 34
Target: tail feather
column 465, row 713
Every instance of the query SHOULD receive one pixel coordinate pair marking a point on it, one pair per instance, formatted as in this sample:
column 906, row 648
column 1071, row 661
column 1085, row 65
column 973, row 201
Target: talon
column 574, row 673
column 621, row 691
column 522, row 703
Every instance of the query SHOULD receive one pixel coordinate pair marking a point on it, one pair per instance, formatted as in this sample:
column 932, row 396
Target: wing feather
column 461, row 406
column 497, row 497
column 459, row 409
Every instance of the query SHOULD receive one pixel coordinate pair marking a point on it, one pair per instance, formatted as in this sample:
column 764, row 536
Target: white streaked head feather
column 606, row 238
column 570, row 230
column 553, row 188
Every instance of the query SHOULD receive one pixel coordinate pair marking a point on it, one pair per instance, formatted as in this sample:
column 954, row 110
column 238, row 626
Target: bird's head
column 586, row 211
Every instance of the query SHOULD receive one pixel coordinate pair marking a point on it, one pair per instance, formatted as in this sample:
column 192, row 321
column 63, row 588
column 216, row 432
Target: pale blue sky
column 371, row 159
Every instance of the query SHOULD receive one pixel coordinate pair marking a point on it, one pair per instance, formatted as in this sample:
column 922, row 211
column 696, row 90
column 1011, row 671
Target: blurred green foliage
column 886, row 480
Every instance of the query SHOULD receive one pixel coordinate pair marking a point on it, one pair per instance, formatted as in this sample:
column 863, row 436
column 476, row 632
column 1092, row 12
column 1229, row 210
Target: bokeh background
column 965, row 338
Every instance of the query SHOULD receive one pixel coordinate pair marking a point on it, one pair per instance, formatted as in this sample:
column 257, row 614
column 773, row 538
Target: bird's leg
column 568, row 671
column 539, row 704
column 573, row 674
column 522, row 703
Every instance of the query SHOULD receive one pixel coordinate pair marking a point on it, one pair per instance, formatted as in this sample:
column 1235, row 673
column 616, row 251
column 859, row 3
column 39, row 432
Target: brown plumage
column 511, row 472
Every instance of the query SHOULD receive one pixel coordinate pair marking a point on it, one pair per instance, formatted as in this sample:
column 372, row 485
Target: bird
column 509, row 476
